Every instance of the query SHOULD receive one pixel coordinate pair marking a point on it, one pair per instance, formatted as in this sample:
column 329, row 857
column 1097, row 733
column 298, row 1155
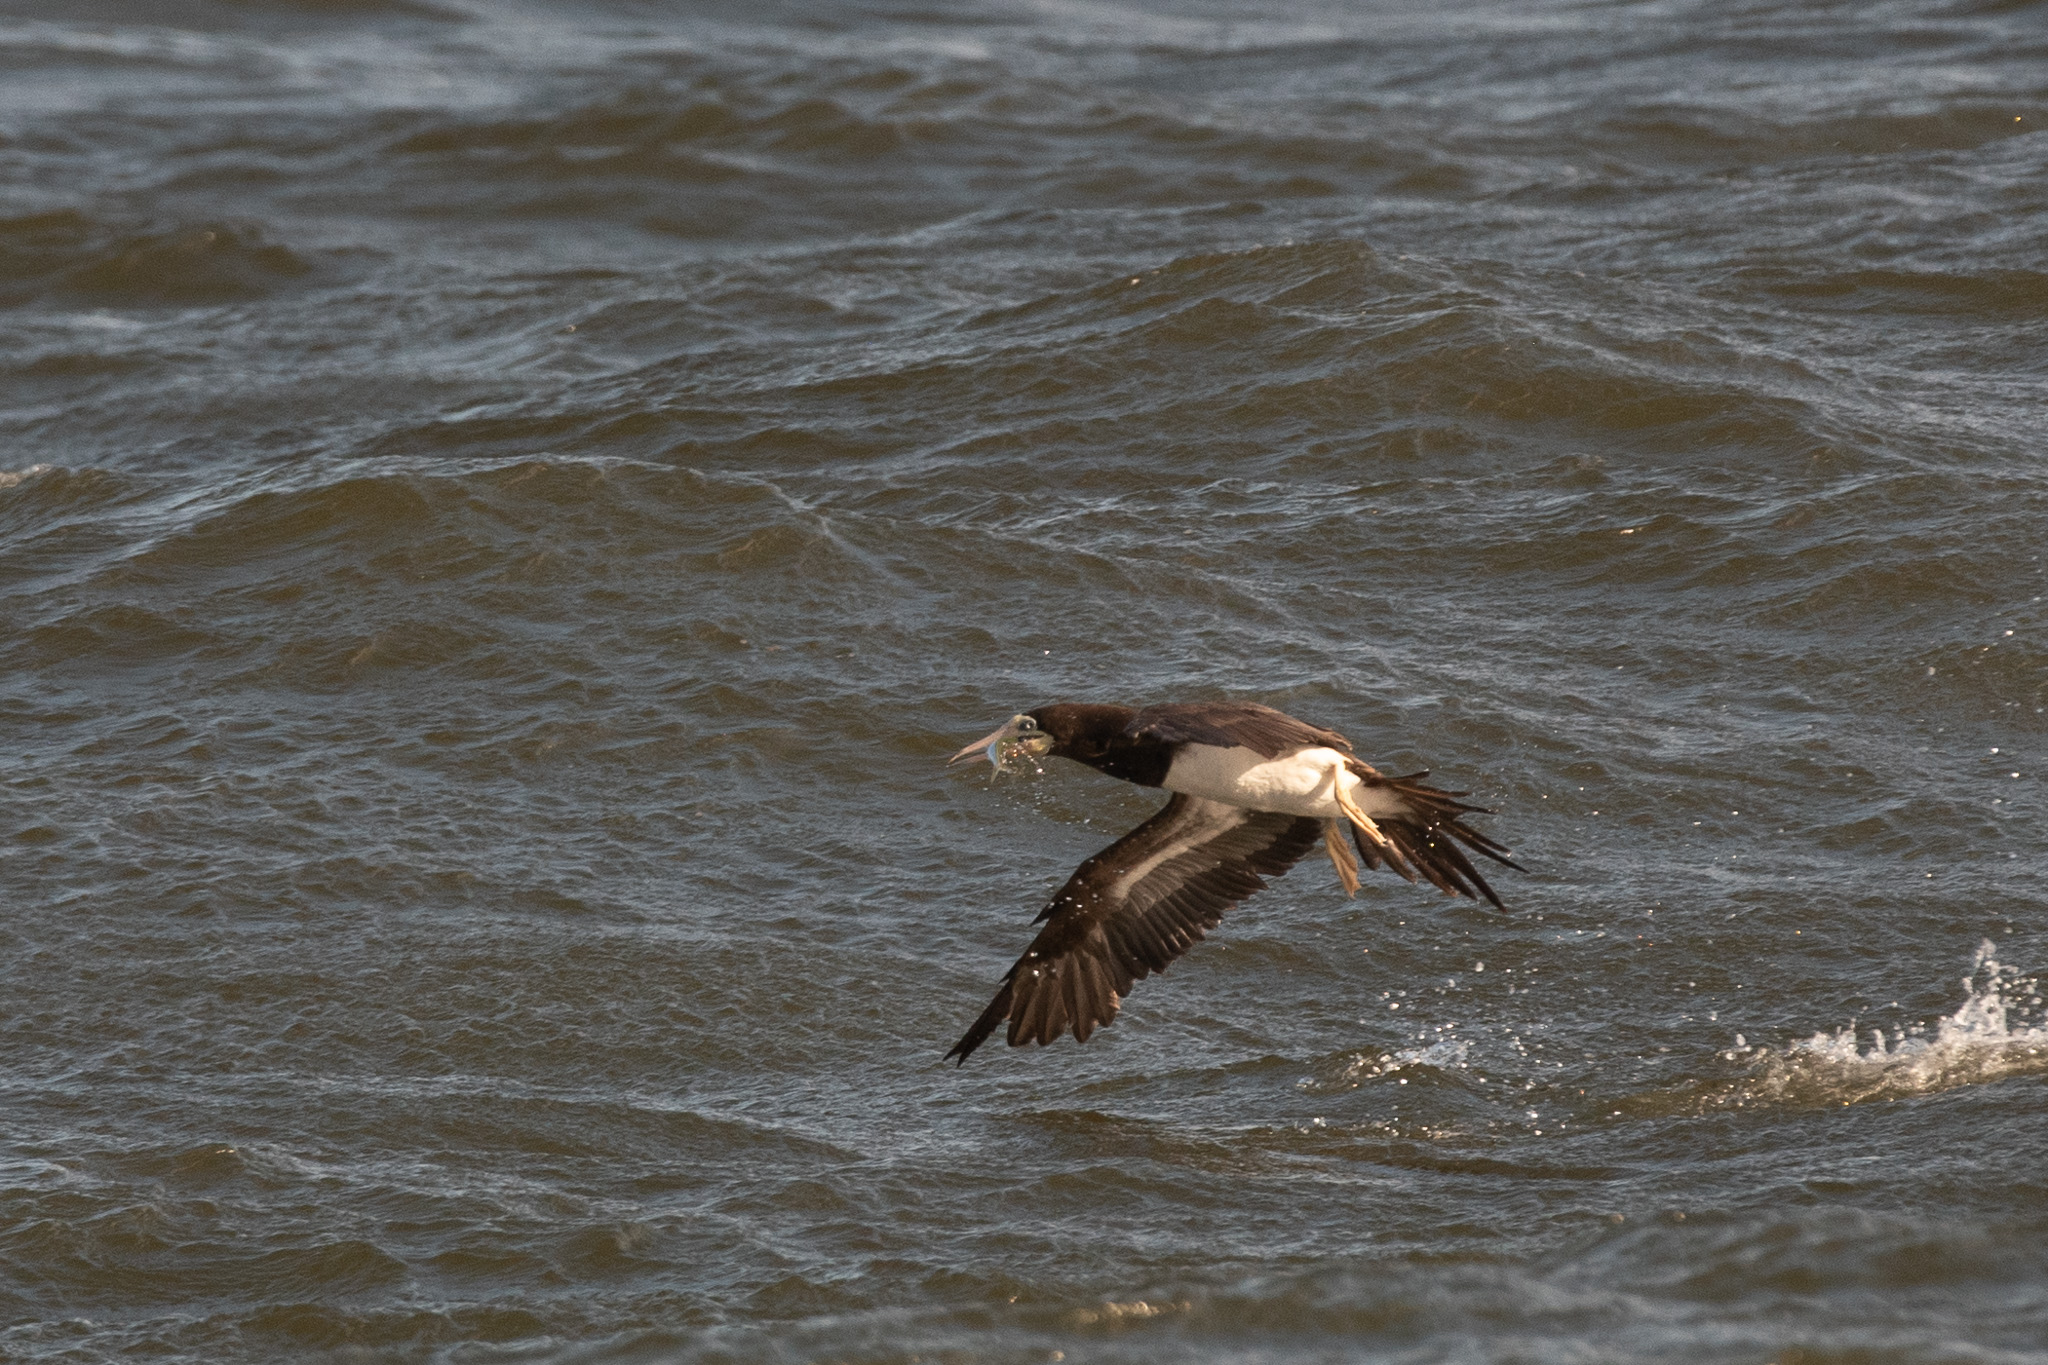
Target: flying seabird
column 1253, row 789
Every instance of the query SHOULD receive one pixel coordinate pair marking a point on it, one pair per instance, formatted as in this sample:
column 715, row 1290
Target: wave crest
column 1999, row 1030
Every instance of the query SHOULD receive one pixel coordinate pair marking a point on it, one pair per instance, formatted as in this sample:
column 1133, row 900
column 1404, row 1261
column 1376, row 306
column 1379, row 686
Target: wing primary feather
column 997, row 1011
column 1133, row 908
column 1027, row 1024
column 1080, row 996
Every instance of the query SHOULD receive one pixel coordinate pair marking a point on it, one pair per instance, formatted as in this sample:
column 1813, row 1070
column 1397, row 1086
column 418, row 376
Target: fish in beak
column 1018, row 738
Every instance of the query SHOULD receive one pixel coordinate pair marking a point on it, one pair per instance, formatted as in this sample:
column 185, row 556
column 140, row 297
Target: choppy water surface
column 505, row 509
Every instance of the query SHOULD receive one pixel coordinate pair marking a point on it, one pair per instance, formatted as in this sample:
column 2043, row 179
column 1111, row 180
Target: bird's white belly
column 1300, row 783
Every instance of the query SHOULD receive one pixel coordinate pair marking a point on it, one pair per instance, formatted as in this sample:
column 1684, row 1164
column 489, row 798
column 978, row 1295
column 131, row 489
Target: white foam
column 1998, row 1031
column 1442, row 1054
column 10, row 477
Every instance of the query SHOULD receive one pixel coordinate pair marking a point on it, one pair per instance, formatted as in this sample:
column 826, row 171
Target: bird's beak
column 985, row 747
column 1003, row 742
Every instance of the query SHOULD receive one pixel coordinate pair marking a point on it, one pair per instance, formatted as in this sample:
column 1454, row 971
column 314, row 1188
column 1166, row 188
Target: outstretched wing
column 1132, row 909
column 1226, row 724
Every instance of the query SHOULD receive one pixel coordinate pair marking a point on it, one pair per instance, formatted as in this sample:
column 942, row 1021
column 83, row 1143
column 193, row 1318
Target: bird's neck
column 1143, row 762
column 1095, row 735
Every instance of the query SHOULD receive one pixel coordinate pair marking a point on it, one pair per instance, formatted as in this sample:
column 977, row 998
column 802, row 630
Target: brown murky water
column 504, row 510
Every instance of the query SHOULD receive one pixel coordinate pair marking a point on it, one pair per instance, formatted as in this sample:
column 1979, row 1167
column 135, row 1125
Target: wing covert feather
column 1226, row 723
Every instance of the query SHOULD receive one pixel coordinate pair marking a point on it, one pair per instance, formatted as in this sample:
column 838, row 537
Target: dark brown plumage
column 1255, row 789
column 1132, row 909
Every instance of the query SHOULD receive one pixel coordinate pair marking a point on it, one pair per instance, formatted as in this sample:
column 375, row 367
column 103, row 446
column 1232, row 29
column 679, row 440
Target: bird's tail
column 1420, row 839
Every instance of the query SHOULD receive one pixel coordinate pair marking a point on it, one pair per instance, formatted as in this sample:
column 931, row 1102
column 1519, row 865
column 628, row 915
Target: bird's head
column 1081, row 732
column 1022, row 736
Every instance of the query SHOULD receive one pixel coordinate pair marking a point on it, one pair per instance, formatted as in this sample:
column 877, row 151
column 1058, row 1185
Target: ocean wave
column 406, row 9
column 642, row 133
column 123, row 635
column 1806, row 1252
column 1332, row 346
column 10, row 478
column 483, row 679
column 1671, row 132
column 716, row 144
column 1977, row 295
column 72, row 257
column 1999, row 1031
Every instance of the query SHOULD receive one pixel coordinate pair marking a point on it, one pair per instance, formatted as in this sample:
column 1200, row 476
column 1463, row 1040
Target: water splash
column 1999, row 1030
column 1444, row 1054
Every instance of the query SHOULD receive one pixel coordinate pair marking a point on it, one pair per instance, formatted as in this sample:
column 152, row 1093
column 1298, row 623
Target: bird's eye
column 1027, row 724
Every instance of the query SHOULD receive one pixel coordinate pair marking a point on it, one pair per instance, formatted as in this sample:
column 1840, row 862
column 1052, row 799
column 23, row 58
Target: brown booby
column 1254, row 789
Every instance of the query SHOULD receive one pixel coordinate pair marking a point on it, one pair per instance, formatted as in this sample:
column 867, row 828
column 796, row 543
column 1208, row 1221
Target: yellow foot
column 1359, row 817
column 1341, row 856
column 1369, row 829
